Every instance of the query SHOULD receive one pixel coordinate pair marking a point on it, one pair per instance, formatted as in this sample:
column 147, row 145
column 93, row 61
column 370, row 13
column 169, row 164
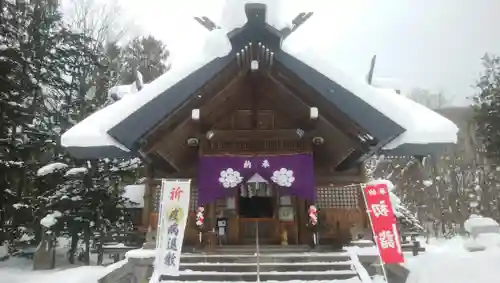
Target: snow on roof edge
column 425, row 126
column 93, row 130
column 422, row 125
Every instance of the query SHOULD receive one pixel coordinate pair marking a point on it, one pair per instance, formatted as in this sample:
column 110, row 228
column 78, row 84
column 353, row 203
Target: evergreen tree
column 487, row 106
column 146, row 55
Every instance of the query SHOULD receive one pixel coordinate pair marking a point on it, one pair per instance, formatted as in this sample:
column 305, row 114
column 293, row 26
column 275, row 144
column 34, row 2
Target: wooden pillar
column 211, row 216
column 149, row 190
column 361, row 198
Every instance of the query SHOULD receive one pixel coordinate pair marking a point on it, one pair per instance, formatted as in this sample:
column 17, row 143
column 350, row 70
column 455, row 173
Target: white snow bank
column 76, row 171
column 141, row 253
column 452, row 263
column 423, row 126
column 51, row 168
column 135, row 193
column 478, row 221
column 117, row 92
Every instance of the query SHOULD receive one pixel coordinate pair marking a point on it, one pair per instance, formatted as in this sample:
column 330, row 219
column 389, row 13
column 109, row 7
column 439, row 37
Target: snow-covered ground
column 445, row 261
column 20, row 271
column 451, row 262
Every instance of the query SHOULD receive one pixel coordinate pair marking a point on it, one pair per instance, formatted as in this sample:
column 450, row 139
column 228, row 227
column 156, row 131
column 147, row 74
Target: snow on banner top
column 423, row 125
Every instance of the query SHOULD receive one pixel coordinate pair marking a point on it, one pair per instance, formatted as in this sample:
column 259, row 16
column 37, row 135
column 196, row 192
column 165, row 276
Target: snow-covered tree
column 146, row 55
column 487, row 106
column 401, row 185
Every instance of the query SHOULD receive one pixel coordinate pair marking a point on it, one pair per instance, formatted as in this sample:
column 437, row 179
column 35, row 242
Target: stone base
column 136, row 270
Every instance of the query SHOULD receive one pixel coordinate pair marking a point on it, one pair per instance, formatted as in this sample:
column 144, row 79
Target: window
column 338, row 197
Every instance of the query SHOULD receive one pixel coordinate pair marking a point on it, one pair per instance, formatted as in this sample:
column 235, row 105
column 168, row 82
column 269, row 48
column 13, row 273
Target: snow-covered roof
column 135, row 193
column 92, row 132
column 394, row 121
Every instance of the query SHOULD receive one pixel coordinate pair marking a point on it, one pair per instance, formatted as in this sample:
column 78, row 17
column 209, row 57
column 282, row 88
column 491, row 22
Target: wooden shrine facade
column 258, row 100
column 256, row 113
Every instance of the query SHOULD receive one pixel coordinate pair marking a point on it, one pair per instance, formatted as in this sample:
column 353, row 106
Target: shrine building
column 263, row 131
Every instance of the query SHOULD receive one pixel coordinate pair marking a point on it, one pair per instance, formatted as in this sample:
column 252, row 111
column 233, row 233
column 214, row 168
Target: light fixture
column 313, row 113
column 193, row 142
column 254, row 65
column 318, row 140
column 210, row 134
column 300, row 133
column 195, row 114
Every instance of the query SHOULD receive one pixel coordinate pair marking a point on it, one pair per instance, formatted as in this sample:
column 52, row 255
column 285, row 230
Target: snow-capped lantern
column 200, row 218
column 313, row 215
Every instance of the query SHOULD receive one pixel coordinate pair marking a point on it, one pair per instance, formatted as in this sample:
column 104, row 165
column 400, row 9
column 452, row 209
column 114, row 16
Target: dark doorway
column 256, row 201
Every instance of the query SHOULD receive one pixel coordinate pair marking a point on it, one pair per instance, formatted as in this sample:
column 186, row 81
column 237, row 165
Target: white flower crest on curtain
column 283, row 177
column 230, row 178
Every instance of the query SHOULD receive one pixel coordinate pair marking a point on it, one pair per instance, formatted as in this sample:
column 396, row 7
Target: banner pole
column 382, row 264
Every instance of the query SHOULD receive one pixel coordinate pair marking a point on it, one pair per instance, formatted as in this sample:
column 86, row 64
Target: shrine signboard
column 172, row 217
column 384, row 225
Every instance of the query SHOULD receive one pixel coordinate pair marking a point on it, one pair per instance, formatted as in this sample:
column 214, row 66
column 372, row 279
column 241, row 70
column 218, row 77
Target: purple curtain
column 220, row 175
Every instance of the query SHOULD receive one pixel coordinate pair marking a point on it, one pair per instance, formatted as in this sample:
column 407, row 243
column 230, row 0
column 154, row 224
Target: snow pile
column 50, row 219
column 119, row 91
column 217, row 44
column 76, row 171
column 477, row 221
column 51, row 168
column 135, row 193
column 141, row 253
column 452, row 263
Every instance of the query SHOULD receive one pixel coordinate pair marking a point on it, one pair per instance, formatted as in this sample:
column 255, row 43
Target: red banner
column 384, row 225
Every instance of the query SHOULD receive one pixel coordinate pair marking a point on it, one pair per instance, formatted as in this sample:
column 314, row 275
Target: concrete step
column 267, row 266
column 252, row 258
column 244, row 249
column 264, row 276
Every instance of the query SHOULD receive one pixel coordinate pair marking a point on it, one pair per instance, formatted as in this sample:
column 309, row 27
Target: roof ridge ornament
column 299, row 20
column 207, row 23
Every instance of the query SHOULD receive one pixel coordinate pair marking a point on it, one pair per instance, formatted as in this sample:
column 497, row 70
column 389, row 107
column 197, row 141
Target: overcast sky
column 433, row 44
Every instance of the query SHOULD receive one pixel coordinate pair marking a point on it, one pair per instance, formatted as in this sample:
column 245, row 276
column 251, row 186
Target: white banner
column 172, row 217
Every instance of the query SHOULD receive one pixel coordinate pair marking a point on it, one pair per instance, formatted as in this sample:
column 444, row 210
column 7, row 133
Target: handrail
column 257, row 249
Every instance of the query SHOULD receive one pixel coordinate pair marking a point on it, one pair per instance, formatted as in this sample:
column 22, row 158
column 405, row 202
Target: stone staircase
column 277, row 263
column 239, row 263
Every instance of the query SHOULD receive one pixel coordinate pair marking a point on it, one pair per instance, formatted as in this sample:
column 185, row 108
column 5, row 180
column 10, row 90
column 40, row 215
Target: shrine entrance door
column 257, row 207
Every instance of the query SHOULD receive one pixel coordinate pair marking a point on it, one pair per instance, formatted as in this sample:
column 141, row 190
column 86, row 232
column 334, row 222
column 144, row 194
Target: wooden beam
column 335, row 140
column 169, row 159
column 204, row 95
column 181, row 132
column 231, row 135
column 341, row 122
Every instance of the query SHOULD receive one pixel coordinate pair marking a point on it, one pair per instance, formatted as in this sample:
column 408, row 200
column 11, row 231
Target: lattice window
column 156, row 198
column 338, row 197
column 193, row 201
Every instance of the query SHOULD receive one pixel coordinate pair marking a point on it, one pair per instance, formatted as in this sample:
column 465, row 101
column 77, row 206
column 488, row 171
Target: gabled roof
column 118, row 128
